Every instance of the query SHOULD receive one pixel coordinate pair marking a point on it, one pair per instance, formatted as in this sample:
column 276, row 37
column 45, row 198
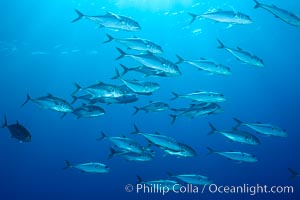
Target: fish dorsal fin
column 115, row 15
column 50, row 95
column 149, row 52
column 157, row 133
column 234, row 128
column 259, row 122
column 123, row 136
column 239, row 48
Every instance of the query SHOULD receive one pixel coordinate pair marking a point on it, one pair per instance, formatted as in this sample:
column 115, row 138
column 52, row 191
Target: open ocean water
column 42, row 52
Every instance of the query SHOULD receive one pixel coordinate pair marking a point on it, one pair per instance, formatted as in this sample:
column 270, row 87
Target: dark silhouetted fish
column 17, row 131
column 294, row 174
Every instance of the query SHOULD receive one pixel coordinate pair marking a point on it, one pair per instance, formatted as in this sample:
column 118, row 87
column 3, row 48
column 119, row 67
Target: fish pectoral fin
column 229, row 26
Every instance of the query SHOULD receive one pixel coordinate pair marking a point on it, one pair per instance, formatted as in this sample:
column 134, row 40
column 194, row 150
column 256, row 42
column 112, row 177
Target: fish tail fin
column 63, row 115
column 102, row 136
column 5, row 122
column 174, row 117
column 117, row 74
column 136, row 110
column 28, row 98
column 169, row 174
column 175, row 96
column 180, row 59
column 136, row 129
column 80, row 15
column 112, row 153
column 293, row 173
column 78, row 88
column 221, row 44
column 213, row 129
column 257, row 5
column 125, row 69
column 75, row 98
column 194, row 17
column 109, row 39
column 68, row 165
column 140, row 180
column 122, row 53
column 210, row 151
column 239, row 122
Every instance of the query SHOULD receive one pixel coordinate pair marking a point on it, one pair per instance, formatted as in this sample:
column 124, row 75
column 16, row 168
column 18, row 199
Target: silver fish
column 163, row 184
column 51, row 102
column 196, row 110
column 144, row 70
column 91, row 167
column 111, row 21
column 243, row 56
column 265, row 129
column 236, row 135
column 126, row 98
column 194, row 179
column 155, row 62
column 280, row 13
column 185, row 152
column 153, row 106
column 162, row 141
column 235, row 155
column 124, row 143
column 100, row 90
column 145, row 156
column 202, row 96
column 230, row 17
column 138, row 44
column 206, row 65
column 88, row 111
column 139, row 87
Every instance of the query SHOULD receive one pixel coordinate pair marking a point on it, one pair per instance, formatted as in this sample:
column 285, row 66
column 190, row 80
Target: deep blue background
column 270, row 95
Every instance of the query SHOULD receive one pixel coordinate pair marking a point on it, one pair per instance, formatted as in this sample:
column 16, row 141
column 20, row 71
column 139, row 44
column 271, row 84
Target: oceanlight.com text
column 212, row 189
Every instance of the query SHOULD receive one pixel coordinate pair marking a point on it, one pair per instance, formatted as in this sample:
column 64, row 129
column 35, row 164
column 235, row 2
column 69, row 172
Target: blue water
column 42, row 52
